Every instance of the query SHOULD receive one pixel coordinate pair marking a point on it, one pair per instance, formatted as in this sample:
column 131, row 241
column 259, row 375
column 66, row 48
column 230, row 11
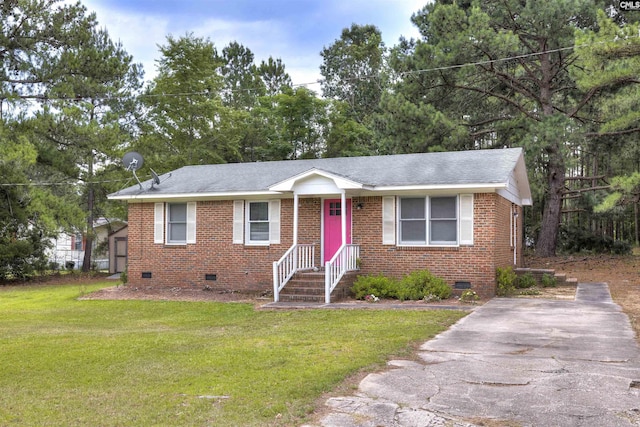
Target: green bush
column 380, row 286
column 506, row 279
column 419, row 284
column 526, row 281
column 414, row 286
column 123, row 277
column 548, row 281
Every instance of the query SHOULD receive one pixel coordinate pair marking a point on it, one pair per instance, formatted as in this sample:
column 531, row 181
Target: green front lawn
column 149, row 363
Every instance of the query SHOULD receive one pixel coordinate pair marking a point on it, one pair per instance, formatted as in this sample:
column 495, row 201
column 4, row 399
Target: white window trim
column 461, row 217
column 241, row 224
column 190, row 232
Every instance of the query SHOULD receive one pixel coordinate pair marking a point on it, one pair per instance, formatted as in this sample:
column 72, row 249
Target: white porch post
column 295, row 218
column 343, row 218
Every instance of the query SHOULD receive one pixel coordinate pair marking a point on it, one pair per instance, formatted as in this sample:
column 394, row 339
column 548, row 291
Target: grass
column 115, row 363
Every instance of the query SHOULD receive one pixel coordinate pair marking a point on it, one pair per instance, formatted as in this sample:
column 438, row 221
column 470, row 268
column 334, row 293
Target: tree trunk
column 635, row 223
column 88, row 246
column 551, row 216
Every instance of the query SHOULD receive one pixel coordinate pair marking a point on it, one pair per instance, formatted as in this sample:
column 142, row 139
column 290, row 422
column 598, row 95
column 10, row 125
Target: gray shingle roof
column 457, row 168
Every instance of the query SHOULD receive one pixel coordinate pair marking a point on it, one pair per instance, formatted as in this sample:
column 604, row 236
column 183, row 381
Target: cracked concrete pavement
column 512, row 362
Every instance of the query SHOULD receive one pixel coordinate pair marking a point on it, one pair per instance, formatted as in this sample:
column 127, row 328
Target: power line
column 305, row 84
column 52, row 184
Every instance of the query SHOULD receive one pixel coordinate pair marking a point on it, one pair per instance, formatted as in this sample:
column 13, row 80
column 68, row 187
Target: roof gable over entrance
column 316, row 181
column 500, row 170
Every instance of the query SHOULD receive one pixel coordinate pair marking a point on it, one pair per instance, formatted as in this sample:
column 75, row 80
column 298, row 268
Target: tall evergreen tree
column 497, row 73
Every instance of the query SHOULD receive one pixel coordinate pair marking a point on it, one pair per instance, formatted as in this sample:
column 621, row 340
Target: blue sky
column 293, row 30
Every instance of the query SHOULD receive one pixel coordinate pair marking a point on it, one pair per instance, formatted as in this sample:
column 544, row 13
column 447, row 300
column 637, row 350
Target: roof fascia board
column 439, row 187
column 194, row 196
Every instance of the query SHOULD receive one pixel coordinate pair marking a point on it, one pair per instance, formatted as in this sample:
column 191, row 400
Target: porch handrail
column 297, row 257
column 345, row 259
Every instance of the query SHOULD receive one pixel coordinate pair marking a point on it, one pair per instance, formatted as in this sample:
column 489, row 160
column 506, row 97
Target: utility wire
column 319, row 81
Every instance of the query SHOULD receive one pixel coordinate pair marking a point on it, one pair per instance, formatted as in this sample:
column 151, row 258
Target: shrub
column 123, row 277
column 525, row 281
column 380, row 286
column 419, row 284
column 548, row 281
column 505, row 278
column 469, row 297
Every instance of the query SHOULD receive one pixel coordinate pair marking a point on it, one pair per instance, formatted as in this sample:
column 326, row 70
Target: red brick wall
column 475, row 264
column 249, row 268
column 237, row 267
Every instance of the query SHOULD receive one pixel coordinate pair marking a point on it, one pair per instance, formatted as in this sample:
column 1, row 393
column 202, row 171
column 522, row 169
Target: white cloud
column 297, row 40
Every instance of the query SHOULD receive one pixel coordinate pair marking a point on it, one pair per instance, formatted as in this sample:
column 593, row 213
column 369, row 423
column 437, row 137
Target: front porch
column 296, row 276
column 324, row 263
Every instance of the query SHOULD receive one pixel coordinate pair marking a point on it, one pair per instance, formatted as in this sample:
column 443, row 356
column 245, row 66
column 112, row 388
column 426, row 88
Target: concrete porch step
column 308, row 286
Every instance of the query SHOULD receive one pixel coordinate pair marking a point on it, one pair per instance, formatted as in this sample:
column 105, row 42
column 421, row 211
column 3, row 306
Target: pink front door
column 333, row 226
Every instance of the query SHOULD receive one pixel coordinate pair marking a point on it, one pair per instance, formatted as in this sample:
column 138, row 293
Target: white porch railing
column 345, row 259
column 298, row 257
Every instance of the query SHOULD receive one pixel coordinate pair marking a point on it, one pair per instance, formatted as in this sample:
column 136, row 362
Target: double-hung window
column 256, row 222
column 443, row 219
column 413, row 220
column 174, row 223
column 428, row 221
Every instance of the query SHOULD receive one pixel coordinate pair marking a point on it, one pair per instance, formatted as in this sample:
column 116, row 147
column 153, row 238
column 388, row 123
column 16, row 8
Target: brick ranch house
column 249, row 227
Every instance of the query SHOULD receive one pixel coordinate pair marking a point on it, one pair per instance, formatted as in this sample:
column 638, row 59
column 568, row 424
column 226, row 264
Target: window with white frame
column 413, row 220
column 428, row 221
column 256, row 222
column 176, row 222
column 443, row 225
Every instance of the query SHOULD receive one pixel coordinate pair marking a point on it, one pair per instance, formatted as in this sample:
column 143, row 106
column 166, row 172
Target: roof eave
column 472, row 187
column 223, row 195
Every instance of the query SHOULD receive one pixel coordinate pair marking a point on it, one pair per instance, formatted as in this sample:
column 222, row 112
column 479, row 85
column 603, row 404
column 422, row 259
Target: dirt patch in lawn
column 126, row 292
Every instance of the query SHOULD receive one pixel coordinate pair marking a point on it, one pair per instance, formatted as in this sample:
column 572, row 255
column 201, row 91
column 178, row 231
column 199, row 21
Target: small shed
column 118, row 250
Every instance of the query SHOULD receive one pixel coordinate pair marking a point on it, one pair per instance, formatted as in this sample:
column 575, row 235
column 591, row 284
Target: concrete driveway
column 512, row 362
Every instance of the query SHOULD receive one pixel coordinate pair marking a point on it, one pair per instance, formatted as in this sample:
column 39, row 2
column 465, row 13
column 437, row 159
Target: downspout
column 515, row 235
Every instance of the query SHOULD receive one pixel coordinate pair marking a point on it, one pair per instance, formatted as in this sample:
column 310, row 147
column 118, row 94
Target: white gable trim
column 316, row 175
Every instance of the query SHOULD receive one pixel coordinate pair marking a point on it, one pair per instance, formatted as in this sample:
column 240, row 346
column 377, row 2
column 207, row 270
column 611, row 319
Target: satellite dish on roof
column 133, row 161
column 155, row 179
